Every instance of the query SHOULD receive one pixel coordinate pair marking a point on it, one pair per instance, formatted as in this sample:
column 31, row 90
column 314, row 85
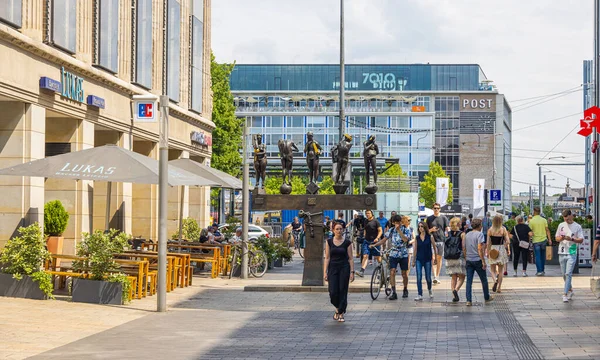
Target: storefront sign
column 477, row 103
column 418, row 108
column 50, row 84
column 72, row 85
column 144, row 110
column 201, row 138
column 95, row 101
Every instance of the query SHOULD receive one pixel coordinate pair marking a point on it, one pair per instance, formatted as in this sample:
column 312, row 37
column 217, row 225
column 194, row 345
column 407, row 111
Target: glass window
column 399, row 122
column 144, row 43
column 295, row 121
column 173, row 49
column 274, row 121
column 379, row 121
column 315, row 121
column 64, row 24
column 256, row 121
column 10, row 12
column 107, row 27
column 197, row 52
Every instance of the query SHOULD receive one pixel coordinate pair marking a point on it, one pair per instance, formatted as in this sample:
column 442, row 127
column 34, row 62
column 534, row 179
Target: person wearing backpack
column 455, row 259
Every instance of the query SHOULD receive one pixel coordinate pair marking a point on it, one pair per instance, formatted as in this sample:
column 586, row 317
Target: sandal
column 336, row 316
column 495, row 286
column 341, row 318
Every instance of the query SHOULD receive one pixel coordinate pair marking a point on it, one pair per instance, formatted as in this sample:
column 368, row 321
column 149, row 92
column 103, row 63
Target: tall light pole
column 342, row 75
column 596, row 160
column 163, row 158
column 245, row 205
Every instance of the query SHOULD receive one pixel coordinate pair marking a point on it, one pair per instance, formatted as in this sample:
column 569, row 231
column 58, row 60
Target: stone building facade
column 69, row 72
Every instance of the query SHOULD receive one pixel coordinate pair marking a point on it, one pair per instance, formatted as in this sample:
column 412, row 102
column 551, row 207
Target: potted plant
column 105, row 284
column 55, row 223
column 190, row 230
column 283, row 253
column 20, row 264
column 268, row 247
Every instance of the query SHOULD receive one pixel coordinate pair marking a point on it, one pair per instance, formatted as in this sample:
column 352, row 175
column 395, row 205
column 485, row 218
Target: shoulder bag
column 522, row 243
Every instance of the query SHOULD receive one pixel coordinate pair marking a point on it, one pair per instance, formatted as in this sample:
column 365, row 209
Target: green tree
column 273, row 183
column 326, row 186
column 227, row 136
column 394, row 171
column 427, row 186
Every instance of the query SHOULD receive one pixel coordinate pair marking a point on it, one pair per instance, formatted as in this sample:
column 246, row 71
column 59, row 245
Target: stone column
column 22, row 129
column 144, row 212
column 125, row 196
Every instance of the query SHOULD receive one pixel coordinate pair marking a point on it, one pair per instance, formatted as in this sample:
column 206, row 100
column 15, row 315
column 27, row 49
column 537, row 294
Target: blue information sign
column 495, row 196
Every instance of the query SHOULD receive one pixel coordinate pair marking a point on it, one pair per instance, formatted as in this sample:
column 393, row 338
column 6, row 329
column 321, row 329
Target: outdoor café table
column 184, row 261
column 225, row 251
column 51, row 264
column 215, row 248
column 153, row 259
column 143, row 268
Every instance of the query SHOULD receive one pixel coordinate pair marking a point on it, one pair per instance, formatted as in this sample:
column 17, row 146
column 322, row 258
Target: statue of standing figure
column 260, row 160
column 371, row 150
column 340, row 154
column 286, row 152
column 313, row 150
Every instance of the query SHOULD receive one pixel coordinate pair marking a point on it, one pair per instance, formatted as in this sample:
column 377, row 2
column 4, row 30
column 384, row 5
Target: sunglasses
column 436, row 208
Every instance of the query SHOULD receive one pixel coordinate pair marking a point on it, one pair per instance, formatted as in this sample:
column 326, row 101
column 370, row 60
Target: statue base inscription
column 313, row 207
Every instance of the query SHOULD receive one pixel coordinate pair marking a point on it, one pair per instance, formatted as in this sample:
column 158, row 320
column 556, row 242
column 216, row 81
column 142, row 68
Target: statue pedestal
column 371, row 188
column 340, row 189
column 258, row 191
column 312, row 189
column 313, row 206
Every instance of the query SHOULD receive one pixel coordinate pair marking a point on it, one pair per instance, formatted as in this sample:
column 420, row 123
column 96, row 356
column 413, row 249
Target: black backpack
column 452, row 246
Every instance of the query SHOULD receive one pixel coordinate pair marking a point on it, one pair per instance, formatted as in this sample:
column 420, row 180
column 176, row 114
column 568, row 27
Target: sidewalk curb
column 300, row 288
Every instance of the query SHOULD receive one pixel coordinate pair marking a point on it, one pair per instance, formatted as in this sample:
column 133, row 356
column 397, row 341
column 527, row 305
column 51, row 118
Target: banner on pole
column 441, row 192
column 478, row 193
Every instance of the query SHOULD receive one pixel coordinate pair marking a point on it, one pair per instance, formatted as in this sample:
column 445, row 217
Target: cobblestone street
column 216, row 319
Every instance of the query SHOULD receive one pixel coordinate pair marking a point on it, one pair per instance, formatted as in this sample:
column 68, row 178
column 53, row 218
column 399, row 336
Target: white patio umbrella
column 109, row 163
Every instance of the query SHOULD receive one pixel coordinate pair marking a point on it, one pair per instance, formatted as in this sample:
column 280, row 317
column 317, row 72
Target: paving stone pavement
column 215, row 319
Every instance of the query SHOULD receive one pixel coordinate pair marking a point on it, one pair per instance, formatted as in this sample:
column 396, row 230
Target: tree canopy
column 227, row 136
column 428, row 185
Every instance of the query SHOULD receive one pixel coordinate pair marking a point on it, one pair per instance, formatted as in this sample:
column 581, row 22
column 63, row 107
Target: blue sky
column 529, row 48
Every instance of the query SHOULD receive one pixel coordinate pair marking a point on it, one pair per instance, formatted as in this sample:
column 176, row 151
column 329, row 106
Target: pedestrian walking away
column 568, row 234
column 438, row 228
column 454, row 255
column 541, row 238
column 498, row 251
column 398, row 236
column 474, row 250
column 373, row 233
column 338, row 270
column 521, row 235
column 424, row 254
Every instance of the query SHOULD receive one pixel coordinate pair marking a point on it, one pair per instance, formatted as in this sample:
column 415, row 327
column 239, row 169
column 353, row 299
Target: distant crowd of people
column 466, row 245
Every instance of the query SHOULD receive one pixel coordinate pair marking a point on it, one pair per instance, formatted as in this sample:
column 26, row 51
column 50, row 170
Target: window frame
column 99, row 22
column 51, row 23
column 11, row 23
column 138, row 61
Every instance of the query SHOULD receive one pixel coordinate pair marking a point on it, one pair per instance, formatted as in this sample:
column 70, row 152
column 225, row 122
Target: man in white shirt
column 568, row 234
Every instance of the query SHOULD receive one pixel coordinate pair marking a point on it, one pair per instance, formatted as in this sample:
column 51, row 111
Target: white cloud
column 528, row 48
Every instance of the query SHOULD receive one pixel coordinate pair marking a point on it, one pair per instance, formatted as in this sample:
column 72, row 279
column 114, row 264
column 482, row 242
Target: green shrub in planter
column 25, row 255
column 55, row 218
column 265, row 244
column 98, row 249
column 190, row 230
column 282, row 250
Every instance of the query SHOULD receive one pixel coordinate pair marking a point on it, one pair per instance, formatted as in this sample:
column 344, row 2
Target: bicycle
column 257, row 260
column 297, row 235
column 381, row 277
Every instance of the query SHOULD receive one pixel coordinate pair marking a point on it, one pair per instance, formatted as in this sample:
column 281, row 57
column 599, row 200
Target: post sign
column 145, row 111
column 495, row 197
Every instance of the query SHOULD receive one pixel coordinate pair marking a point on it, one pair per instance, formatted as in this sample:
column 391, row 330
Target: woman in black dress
column 338, row 270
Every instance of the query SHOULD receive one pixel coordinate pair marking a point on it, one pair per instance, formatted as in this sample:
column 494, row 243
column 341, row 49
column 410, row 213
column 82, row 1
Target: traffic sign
column 145, row 110
column 495, row 197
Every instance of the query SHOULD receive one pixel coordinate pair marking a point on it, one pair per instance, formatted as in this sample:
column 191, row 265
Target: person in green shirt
column 541, row 237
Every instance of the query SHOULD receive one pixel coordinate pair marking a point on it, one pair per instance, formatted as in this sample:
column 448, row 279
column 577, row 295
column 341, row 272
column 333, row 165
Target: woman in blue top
column 423, row 258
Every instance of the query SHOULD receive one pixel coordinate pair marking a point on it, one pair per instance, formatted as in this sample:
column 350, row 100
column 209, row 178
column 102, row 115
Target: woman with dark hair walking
column 338, row 270
column 424, row 253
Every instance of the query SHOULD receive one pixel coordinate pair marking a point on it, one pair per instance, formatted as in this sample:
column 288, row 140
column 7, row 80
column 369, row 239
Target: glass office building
column 418, row 113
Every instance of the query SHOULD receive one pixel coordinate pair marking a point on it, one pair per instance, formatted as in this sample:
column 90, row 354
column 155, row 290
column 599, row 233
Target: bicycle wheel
column 376, row 283
column 234, row 265
column 258, row 264
column 301, row 252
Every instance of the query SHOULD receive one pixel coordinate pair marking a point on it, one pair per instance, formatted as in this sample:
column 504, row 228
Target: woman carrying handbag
column 521, row 235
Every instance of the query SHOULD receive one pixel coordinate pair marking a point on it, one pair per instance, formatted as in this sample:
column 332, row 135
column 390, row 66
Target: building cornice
column 48, row 53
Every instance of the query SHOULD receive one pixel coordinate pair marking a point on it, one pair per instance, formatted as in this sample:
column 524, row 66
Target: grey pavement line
column 520, row 340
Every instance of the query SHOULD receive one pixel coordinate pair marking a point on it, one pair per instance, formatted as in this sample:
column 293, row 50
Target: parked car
column 254, row 231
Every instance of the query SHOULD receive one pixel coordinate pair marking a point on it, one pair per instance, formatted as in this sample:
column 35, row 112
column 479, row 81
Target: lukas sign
column 91, row 171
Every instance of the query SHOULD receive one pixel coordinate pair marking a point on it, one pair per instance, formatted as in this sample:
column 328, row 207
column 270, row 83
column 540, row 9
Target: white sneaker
column 570, row 294
column 515, row 274
column 436, row 281
column 419, row 298
column 430, row 294
column 524, row 274
column 565, row 299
